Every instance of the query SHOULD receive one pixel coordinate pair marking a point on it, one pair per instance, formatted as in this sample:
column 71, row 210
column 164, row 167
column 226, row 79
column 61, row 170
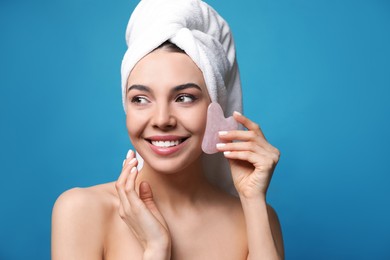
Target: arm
column 263, row 230
column 252, row 161
column 76, row 227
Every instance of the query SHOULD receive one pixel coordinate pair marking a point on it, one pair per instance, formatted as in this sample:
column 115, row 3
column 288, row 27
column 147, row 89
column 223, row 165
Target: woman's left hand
column 252, row 159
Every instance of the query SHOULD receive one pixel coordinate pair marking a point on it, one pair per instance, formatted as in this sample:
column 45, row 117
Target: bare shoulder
column 273, row 219
column 276, row 228
column 85, row 200
column 272, row 213
column 230, row 209
column 221, row 226
column 79, row 220
column 92, row 203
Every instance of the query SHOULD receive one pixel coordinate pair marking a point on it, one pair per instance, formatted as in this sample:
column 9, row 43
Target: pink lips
column 180, row 141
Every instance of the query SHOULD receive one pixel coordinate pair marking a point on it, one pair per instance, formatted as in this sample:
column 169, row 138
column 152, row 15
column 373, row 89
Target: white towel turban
column 204, row 35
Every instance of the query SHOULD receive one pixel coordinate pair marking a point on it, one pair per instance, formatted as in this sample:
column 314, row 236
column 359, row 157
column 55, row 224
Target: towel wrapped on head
column 205, row 37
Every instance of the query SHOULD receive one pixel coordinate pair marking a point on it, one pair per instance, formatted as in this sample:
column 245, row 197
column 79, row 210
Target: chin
column 171, row 165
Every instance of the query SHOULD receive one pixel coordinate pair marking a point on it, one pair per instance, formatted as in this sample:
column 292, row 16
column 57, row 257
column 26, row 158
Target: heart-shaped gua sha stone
column 216, row 122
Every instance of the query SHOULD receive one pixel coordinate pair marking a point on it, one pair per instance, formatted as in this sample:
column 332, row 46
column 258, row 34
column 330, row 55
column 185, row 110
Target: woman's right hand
column 141, row 214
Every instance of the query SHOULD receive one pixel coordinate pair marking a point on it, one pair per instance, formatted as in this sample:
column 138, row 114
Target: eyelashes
column 186, row 98
column 139, row 100
column 181, row 98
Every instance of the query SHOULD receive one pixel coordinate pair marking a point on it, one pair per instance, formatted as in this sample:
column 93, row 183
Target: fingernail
column 133, row 170
column 123, row 164
column 132, row 161
column 237, row 113
column 226, row 152
column 129, row 153
column 222, row 132
column 220, row 145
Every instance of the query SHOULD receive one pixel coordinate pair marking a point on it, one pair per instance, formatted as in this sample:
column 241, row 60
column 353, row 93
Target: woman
column 168, row 208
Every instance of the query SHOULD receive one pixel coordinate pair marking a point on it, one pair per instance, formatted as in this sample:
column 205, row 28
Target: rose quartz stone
column 216, row 122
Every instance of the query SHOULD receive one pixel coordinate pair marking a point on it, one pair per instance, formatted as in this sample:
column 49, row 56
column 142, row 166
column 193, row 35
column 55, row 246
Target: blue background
column 316, row 77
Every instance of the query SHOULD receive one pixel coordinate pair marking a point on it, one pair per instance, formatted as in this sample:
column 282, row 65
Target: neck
column 185, row 187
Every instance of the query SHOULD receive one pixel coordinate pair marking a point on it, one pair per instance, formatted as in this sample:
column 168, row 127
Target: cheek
column 196, row 121
column 134, row 124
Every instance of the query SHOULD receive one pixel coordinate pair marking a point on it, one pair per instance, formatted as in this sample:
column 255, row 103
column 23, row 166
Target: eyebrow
column 186, row 86
column 175, row 89
column 139, row 87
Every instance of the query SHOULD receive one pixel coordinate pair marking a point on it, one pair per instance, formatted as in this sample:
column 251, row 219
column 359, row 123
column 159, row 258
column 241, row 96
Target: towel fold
column 203, row 34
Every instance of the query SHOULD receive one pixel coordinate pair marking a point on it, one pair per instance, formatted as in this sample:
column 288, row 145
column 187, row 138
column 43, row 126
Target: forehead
column 162, row 67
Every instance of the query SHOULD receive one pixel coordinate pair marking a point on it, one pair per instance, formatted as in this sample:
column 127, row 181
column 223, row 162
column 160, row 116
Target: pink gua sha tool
column 216, row 122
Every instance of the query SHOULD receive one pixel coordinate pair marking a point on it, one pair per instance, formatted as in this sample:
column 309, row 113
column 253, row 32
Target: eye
column 185, row 98
column 139, row 100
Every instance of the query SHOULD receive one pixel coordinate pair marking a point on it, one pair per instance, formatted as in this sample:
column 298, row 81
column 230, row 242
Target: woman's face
column 166, row 103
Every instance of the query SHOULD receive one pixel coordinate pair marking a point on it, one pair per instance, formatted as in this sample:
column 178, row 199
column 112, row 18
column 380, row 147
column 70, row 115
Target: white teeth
column 165, row 143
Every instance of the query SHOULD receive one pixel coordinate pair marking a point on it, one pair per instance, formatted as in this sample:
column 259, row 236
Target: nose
column 163, row 117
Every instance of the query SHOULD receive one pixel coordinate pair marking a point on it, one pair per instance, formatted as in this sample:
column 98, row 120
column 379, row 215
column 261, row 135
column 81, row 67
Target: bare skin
column 95, row 230
column 169, row 210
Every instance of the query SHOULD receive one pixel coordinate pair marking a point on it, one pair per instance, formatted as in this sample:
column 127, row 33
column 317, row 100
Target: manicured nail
column 226, row 152
column 133, row 170
column 123, row 164
column 222, row 132
column 132, row 161
column 220, row 145
column 129, row 153
column 237, row 113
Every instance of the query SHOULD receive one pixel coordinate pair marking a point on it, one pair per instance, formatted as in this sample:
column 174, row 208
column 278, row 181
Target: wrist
column 249, row 196
column 253, row 202
column 160, row 251
column 150, row 254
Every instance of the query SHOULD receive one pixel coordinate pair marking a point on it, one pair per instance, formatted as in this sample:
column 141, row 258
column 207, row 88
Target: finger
column 241, row 135
column 249, row 124
column 129, row 200
column 243, row 156
column 265, row 149
column 130, row 183
column 129, row 154
column 244, row 136
column 121, row 191
column 242, row 146
column 128, row 165
column 146, row 195
column 123, row 201
column 258, row 161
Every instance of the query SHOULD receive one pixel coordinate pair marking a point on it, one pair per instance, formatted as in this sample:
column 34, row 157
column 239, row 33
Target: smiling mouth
column 166, row 143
